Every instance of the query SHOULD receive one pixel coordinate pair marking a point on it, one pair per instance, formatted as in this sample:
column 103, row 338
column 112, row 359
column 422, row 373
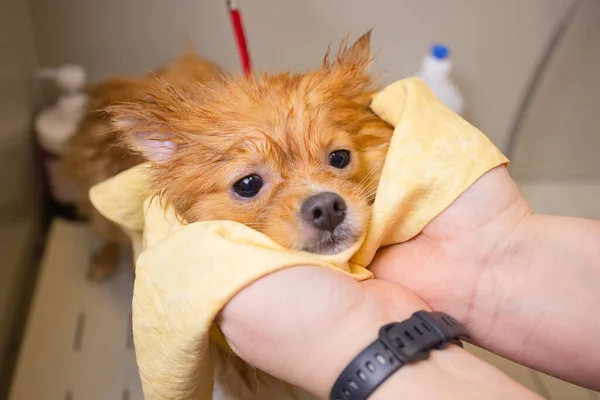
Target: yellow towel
column 185, row 273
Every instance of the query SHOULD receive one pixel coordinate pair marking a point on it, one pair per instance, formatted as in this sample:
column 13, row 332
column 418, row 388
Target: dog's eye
column 248, row 186
column 339, row 158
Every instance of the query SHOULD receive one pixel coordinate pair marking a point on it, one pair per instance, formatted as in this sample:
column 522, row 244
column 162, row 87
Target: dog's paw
column 104, row 262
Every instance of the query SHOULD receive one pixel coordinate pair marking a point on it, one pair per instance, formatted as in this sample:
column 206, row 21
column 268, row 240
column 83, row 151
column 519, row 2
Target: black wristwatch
column 399, row 343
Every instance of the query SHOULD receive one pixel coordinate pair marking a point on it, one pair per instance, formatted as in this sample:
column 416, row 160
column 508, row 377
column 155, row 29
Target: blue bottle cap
column 440, row 51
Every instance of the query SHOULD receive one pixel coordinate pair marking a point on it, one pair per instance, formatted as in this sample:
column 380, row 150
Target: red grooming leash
column 240, row 37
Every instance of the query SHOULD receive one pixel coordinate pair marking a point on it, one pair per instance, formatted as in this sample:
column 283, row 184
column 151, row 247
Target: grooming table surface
column 78, row 343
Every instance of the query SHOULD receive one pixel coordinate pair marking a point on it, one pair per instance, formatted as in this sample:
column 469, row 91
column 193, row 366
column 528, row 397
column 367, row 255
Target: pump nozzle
column 69, row 77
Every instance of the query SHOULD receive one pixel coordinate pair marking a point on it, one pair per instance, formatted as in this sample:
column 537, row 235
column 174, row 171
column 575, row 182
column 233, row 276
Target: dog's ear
column 358, row 56
column 144, row 130
column 347, row 70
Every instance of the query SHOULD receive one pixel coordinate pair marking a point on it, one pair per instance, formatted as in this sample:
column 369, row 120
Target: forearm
column 546, row 279
column 451, row 374
column 323, row 319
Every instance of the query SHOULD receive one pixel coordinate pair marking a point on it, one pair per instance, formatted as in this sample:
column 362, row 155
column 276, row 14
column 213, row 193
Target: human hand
column 449, row 262
column 524, row 285
column 305, row 324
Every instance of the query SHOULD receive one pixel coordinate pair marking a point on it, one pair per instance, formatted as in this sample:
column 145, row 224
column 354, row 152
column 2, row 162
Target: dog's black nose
column 324, row 210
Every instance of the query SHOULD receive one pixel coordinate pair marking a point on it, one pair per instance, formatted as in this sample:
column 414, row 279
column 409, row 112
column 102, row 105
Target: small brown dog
column 95, row 152
column 297, row 157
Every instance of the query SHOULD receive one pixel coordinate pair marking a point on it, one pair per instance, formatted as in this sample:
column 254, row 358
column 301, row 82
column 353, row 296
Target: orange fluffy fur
column 281, row 127
column 95, row 152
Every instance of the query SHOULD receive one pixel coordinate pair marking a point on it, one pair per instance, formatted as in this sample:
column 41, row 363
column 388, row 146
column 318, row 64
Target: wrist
column 350, row 334
column 451, row 373
column 334, row 354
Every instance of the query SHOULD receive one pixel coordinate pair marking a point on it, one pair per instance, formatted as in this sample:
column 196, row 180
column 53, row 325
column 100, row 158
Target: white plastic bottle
column 435, row 71
column 54, row 127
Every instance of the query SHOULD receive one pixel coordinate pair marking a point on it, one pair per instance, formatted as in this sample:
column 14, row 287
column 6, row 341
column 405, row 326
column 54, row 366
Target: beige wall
column 19, row 190
column 560, row 137
column 16, row 109
column 495, row 43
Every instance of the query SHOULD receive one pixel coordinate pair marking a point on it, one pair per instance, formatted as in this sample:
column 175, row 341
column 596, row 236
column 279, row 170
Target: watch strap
column 399, row 343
